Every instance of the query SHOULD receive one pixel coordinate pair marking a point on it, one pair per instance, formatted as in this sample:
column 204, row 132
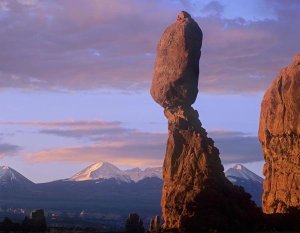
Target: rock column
column 279, row 134
column 196, row 194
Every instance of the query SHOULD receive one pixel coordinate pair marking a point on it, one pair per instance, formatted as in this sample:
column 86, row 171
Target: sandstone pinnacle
column 279, row 134
column 196, row 196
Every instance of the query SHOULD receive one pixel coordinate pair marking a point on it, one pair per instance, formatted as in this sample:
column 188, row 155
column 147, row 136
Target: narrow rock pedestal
column 196, row 194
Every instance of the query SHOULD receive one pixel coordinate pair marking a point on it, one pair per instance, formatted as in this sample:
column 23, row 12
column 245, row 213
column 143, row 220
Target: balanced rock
column 279, row 134
column 176, row 70
column 196, row 194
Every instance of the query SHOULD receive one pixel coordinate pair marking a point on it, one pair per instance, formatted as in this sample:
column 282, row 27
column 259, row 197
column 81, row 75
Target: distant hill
column 13, row 184
column 252, row 183
column 104, row 170
column 102, row 193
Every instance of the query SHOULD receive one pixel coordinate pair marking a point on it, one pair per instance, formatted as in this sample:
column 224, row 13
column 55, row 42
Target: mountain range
column 104, row 170
column 252, row 183
column 10, row 178
column 103, row 188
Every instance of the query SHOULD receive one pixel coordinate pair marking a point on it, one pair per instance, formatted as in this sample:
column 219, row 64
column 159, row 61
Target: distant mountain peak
column 9, row 176
column 136, row 169
column 7, row 173
column 239, row 167
column 105, row 170
column 100, row 170
column 241, row 172
column 252, row 183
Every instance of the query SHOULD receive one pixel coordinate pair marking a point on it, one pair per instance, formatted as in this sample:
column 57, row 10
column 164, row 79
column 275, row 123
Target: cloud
column 136, row 149
column 125, row 146
column 237, row 147
column 93, row 130
column 213, row 8
column 80, row 133
column 222, row 133
column 8, row 150
column 28, row 2
column 66, row 124
column 78, row 44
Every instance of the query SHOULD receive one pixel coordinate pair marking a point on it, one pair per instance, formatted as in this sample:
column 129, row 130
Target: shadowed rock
column 279, row 134
column 36, row 221
column 134, row 224
column 196, row 194
column 155, row 226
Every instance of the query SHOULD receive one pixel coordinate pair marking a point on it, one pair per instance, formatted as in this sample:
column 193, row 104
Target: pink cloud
column 110, row 141
column 136, row 149
column 66, row 124
column 77, row 44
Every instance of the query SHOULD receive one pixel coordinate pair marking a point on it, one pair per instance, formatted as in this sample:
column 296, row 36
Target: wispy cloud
column 237, row 147
column 125, row 146
column 78, row 44
column 213, row 8
column 135, row 149
column 93, row 130
column 7, row 150
column 65, row 124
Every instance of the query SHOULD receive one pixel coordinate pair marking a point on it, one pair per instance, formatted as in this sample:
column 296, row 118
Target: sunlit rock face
column 176, row 70
column 279, row 134
column 196, row 194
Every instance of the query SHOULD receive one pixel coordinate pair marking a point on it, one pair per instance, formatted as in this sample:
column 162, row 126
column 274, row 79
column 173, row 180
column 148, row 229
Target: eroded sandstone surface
column 196, row 194
column 176, row 72
column 279, row 134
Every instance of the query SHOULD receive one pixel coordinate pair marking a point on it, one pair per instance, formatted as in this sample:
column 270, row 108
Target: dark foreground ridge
column 288, row 222
column 35, row 222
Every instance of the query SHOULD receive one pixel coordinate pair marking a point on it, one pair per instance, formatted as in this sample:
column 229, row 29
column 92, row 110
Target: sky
column 75, row 78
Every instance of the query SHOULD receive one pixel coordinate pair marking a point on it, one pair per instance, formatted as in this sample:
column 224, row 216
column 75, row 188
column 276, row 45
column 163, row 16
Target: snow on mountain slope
column 104, row 170
column 252, row 183
column 9, row 176
column 136, row 174
column 239, row 171
column 153, row 172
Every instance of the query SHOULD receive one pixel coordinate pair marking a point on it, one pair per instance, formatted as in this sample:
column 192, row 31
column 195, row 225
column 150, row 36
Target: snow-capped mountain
column 104, row 170
column 252, row 183
column 10, row 178
column 136, row 174
column 110, row 197
column 239, row 171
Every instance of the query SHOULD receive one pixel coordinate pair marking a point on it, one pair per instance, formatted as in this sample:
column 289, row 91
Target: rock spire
column 196, row 194
column 279, row 134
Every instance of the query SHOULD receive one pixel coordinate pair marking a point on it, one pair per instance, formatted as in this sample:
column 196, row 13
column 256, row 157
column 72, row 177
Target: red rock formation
column 196, row 194
column 176, row 71
column 279, row 134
